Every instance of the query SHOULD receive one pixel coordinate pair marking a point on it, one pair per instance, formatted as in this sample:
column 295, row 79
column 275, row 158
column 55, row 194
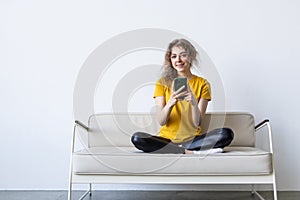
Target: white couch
column 109, row 157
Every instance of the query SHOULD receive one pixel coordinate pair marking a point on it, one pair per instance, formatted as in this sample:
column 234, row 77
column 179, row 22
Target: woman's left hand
column 190, row 97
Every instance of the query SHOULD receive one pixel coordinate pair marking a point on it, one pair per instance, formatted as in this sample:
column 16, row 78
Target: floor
column 144, row 195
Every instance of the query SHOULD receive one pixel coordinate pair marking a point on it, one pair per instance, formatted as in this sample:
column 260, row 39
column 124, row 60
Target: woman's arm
column 164, row 109
column 202, row 106
column 198, row 108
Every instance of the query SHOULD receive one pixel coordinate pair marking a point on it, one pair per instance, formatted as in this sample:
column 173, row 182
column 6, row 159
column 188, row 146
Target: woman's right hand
column 163, row 108
column 177, row 95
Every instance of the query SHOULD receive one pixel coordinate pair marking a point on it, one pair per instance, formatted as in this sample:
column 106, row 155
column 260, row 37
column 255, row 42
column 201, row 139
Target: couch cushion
column 116, row 129
column 128, row 160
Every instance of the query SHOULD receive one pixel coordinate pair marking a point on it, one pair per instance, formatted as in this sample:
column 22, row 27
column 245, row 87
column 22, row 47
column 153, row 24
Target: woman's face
column 179, row 59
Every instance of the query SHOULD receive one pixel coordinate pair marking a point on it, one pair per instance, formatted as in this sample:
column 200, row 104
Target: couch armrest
column 267, row 123
column 261, row 124
column 80, row 124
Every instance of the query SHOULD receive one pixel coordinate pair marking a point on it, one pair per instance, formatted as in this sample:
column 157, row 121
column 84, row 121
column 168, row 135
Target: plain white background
column 254, row 45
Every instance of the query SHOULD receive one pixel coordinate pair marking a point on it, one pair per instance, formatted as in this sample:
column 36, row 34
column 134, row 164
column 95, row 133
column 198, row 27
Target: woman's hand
column 177, row 95
column 190, row 97
column 196, row 111
column 164, row 109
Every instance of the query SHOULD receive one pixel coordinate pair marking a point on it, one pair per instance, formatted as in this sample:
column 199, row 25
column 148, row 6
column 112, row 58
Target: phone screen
column 179, row 82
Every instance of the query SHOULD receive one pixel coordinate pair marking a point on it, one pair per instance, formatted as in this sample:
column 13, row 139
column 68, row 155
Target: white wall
column 254, row 45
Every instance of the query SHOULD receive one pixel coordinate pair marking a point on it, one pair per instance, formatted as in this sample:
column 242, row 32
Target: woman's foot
column 188, row 152
column 208, row 151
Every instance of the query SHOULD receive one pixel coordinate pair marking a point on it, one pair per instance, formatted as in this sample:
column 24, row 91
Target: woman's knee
column 228, row 134
column 139, row 137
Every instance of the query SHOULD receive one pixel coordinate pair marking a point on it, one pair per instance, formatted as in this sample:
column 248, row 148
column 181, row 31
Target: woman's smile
column 179, row 59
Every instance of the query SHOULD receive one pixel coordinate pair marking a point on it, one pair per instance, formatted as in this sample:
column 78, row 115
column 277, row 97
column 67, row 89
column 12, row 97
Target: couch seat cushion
column 128, row 160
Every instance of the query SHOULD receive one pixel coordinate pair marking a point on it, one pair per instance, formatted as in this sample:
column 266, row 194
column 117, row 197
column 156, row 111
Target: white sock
column 209, row 151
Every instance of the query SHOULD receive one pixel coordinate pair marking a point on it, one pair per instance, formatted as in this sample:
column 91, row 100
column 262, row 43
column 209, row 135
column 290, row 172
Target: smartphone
column 178, row 83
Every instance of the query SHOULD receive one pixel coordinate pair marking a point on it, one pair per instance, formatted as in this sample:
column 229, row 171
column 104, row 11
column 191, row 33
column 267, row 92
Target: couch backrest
column 115, row 129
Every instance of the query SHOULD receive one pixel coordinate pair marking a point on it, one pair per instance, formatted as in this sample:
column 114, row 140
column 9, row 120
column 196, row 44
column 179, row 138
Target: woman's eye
column 173, row 57
column 184, row 55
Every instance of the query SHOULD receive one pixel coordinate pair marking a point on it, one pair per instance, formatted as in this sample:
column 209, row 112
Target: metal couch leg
column 254, row 192
column 87, row 192
column 274, row 187
column 70, row 184
column 70, row 191
column 90, row 189
column 258, row 195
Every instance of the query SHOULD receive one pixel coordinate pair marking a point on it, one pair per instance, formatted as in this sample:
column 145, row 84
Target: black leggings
column 217, row 138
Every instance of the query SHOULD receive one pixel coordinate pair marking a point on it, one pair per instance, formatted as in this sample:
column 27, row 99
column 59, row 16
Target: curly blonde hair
column 168, row 72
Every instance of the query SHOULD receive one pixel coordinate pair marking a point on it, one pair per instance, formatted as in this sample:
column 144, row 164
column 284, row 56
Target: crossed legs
column 217, row 138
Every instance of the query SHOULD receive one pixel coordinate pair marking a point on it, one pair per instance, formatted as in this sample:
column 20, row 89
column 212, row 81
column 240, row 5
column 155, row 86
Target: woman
column 180, row 112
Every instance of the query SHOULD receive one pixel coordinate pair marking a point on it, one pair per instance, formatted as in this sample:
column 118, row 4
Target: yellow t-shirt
column 179, row 128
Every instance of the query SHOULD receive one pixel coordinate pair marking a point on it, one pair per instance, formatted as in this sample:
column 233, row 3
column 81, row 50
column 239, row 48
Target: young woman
column 180, row 112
